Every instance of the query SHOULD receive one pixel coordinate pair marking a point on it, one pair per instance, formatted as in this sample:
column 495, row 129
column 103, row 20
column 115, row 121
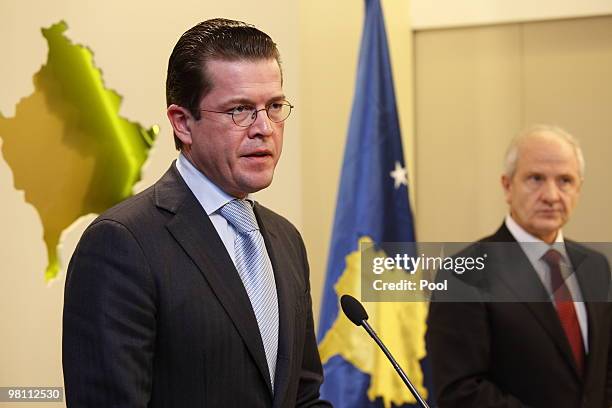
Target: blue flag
column 372, row 207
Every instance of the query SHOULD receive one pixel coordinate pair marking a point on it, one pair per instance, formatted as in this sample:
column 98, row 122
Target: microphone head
column 353, row 309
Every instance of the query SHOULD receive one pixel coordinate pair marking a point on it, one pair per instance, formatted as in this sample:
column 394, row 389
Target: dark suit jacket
column 155, row 314
column 515, row 354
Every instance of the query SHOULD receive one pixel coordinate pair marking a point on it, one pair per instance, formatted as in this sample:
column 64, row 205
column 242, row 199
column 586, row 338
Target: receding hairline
column 231, row 59
column 541, row 131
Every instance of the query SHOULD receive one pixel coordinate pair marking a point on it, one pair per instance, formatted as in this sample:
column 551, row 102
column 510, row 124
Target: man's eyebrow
column 238, row 101
column 246, row 101
column 277, row 98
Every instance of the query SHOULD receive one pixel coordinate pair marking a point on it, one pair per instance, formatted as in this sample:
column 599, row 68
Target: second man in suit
column 537, row 331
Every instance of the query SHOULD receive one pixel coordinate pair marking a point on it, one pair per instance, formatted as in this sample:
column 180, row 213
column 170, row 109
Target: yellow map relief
column 401, row 325
column 68, row 148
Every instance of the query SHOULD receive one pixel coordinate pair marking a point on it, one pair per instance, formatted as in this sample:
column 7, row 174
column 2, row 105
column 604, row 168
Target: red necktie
column 565, row 307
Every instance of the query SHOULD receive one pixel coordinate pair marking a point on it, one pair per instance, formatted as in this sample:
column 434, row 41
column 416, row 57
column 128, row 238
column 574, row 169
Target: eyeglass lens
column 277, row 112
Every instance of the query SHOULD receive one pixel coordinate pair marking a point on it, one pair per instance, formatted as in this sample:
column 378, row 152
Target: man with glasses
column 191, row 294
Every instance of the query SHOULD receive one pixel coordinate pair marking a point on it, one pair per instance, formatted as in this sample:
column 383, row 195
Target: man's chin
column 253, row 186
column 547, row 228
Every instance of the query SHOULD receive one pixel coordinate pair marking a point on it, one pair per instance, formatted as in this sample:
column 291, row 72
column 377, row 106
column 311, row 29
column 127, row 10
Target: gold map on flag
column 401, row 325
column 68, row 148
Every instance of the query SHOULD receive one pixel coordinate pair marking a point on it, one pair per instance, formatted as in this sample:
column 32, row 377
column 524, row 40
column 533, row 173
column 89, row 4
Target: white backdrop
column 131, row 42
column 452, row 13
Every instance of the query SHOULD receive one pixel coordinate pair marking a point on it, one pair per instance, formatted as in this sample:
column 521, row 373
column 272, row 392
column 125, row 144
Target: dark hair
column 187, row 81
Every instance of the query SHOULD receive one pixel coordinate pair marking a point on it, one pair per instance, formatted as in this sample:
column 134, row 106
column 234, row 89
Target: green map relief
column 67, row 146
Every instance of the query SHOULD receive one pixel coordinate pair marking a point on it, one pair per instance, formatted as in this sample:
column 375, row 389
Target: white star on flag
column 399, row 175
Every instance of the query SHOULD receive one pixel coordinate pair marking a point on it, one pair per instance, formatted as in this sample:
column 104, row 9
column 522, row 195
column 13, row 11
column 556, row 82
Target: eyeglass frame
column 255, row 112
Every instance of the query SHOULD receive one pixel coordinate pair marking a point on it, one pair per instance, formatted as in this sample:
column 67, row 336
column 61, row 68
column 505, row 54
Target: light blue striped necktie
column 255, row 270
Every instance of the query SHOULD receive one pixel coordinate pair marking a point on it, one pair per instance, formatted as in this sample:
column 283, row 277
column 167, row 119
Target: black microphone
column 358, row 315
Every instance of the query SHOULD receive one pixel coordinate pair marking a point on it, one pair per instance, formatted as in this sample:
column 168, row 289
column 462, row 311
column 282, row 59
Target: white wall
column 131, row 42
column 452, row 13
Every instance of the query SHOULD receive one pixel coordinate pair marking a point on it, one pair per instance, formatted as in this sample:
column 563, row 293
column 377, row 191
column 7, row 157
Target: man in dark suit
column 190, row 294
column 533, row 328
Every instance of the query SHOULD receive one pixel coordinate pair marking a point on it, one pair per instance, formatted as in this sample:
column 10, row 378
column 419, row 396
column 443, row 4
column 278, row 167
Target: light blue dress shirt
column 211, row 198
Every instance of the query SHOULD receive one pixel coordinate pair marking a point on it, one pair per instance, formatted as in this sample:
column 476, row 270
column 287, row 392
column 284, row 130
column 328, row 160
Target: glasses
column 245, row 115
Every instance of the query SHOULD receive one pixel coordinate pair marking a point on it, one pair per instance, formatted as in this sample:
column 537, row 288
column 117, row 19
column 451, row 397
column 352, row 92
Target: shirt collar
column 209, row 195
column 534, row 247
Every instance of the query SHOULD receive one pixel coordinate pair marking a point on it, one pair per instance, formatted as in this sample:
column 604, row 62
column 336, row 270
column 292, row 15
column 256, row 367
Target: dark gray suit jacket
column 155, row 314
column 489, row 354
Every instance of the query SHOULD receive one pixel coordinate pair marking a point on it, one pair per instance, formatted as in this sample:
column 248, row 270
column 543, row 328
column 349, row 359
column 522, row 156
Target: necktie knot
column 552, row 257
column 239, row 213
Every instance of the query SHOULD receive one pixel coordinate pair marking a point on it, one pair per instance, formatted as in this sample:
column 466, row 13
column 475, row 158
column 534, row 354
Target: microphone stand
column 397, row 367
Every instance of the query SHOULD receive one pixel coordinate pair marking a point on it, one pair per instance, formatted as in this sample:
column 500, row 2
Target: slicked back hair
column 187, row 81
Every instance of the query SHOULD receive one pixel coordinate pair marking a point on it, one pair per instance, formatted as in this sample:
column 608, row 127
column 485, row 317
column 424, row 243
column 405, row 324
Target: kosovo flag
column 373, row 207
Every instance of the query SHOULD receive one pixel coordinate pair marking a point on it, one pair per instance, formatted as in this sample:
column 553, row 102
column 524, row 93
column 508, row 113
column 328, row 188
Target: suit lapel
column 510, row 264
column 286, row 304
column 520, row 277
column 195, row 233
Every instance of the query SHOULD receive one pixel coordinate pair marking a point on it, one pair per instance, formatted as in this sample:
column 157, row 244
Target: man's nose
column 262, row 126
column 550, row 191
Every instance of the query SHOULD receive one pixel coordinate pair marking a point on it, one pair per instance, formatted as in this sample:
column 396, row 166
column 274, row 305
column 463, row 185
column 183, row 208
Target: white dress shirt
column 211, row 198
column 535, row 249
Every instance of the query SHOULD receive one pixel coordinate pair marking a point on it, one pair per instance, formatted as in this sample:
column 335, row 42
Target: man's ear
column 181, row 120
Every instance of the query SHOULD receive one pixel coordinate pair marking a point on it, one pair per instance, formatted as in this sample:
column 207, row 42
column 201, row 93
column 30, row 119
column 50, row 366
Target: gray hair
column 512, row 153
